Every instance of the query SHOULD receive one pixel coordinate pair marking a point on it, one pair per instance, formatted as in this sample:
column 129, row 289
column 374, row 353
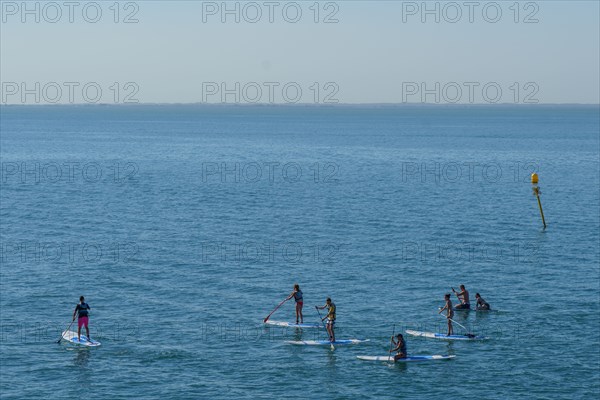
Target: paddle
column 69, row 327
column 324, row 326
column 454, row 291
column 469, row 334
column 391, row 343
column 279, row 305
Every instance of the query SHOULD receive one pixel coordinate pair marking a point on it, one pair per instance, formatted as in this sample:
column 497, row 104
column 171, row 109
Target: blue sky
column 376, row 52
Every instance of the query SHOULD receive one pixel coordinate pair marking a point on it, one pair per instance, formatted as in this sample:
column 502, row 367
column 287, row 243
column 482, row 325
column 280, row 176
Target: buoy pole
column 541, row 211
column 536, row 192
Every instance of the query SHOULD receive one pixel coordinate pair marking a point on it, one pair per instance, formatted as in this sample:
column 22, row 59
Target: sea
column 184, row 226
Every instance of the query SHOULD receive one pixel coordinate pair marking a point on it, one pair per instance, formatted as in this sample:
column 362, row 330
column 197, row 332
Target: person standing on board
column 400, row 347
column 81, row 311
column 330, row 318
column 463, row 297
column 449, row 312
column 481, row 303
column 297, row 295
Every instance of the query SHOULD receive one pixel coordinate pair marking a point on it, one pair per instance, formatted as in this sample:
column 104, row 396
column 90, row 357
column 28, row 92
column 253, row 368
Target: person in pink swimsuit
column 82, row 312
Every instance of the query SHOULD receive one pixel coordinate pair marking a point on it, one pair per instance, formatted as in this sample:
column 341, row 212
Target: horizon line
column 298, row 104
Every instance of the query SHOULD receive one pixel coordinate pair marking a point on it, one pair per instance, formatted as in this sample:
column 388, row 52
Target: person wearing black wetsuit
column 482, row 305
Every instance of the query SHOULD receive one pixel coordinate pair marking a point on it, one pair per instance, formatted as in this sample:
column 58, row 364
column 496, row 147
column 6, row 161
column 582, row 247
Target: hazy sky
column 376, row 52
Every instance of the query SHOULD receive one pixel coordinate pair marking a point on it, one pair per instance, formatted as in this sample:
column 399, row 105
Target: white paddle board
column 325, row 342
column 71, row 337
column 293, row 324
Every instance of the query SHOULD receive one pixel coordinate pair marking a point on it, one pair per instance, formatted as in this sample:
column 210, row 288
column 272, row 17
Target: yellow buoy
column 534, row 178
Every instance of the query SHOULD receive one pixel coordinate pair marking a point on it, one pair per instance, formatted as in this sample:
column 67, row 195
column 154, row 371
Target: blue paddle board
column 406, row 359
column 442, row 336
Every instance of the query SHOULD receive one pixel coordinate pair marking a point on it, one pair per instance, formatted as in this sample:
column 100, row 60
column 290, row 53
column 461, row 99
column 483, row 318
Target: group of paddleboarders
column 465, row 304
column 398, row 343
column 329, row 305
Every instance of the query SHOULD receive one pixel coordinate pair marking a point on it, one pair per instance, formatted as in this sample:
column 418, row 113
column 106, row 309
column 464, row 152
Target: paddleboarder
column 330, row 306
column 400, row 347
column 449, row 312
column 463, row 297
column 297, row 295
column 481, row 303
column 82, row 312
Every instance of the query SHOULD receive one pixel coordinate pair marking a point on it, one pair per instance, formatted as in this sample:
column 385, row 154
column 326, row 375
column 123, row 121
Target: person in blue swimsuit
column 400, row 347
column 297, row 295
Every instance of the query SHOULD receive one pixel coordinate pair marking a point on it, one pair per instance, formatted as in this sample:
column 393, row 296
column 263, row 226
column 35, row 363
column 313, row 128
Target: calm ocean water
column 184, row 226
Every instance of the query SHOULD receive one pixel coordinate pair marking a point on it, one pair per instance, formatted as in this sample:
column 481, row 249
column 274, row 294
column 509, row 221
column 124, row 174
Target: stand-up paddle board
column 406, row 359
column 444, row 336
column 293, row 324
column 471, row 309
column 71, row 337
column 326, row 342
